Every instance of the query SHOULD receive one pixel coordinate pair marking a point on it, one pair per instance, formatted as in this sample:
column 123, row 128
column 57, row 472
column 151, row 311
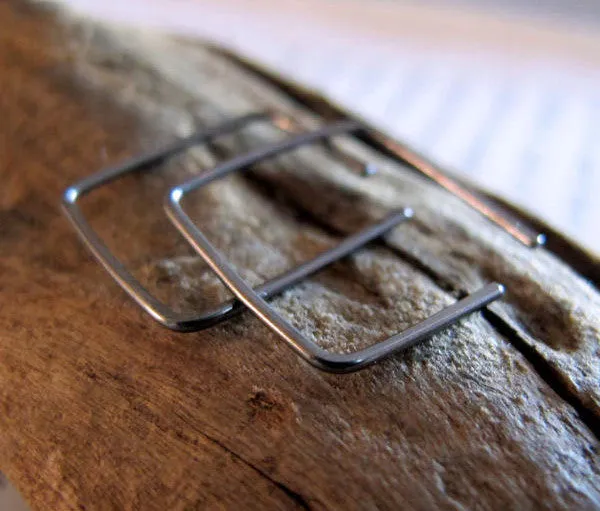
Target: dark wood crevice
column 294, row 496
column 546, row 372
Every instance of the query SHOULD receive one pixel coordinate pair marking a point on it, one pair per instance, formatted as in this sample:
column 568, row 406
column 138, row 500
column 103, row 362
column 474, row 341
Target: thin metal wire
column 517, row 229
column 186, row 322
column 310, row 351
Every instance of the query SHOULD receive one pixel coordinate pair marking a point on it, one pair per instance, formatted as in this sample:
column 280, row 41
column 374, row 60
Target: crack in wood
column 546, row 372
column 293, row 495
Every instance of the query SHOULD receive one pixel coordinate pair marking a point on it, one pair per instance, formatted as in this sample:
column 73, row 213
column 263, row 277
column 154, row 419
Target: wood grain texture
column 103, row 409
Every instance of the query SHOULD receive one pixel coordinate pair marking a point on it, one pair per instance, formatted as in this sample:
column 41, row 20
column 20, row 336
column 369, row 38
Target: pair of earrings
column 255, row 299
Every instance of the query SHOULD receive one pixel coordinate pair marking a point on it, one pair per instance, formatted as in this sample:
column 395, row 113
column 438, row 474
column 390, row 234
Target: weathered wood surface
column 103, row 409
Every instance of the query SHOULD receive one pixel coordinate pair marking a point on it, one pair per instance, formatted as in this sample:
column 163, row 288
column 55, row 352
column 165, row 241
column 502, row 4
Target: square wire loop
column 186, row 322
column 306, row 348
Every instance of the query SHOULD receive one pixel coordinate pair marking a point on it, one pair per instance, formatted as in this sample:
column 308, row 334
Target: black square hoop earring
column 310, row 351
column 169, row 318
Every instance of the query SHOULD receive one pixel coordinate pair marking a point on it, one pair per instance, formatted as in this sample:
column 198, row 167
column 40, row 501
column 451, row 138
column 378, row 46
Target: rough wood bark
column 103, row 409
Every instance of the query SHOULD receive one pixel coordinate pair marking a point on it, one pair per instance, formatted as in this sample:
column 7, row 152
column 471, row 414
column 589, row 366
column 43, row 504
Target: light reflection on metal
column 290, row 125
column 522, row 232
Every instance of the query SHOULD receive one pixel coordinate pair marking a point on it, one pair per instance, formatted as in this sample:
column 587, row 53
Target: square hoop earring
column 189, row 322
column 307, row 349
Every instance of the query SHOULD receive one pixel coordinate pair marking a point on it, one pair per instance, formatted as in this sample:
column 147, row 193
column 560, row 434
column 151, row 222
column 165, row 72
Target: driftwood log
column 101, row 408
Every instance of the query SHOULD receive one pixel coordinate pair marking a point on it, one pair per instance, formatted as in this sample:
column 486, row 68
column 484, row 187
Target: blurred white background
column 504, row 92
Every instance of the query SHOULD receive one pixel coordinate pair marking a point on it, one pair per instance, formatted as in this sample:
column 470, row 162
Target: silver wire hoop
column 186, row 322
column 306, row 348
